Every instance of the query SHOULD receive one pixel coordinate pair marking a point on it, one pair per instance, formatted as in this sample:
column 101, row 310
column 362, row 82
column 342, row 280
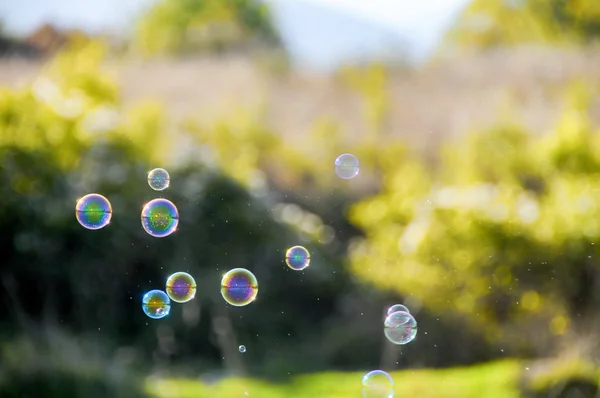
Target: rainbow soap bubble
column 396, row 308
column 181, row 287
column 160, row 218
column 93, row 211
column 239, row 287
column 156, row 304
column 377, row 384
column 400, row 327
column 297, row 258
column 159, row 179
column 347, row 166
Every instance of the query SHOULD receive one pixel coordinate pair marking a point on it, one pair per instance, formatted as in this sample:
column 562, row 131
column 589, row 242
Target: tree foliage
column 504, row 234
column 491, row 23
column 185, row 26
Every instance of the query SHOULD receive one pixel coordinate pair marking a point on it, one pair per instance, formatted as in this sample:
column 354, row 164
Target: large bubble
column 93, row 211
column 181, row 287
column 346, row 166
column 377, row 384
column 160, row 218
column 400, row 327
column 156, row 304
column 239, row 287
column 297, row 258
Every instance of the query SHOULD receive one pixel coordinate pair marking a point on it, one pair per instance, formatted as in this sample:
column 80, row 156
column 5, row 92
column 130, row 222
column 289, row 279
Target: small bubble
column 159, row 179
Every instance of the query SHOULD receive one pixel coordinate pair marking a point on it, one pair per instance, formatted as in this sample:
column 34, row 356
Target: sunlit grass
column 493, row 380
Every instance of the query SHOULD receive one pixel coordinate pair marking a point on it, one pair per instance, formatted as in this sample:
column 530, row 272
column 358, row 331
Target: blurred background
column 477, row 204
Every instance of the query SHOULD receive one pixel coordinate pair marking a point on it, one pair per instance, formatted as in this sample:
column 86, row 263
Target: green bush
column 501, row 234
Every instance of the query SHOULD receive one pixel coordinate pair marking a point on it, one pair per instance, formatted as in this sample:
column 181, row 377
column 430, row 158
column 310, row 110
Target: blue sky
column 321, row 33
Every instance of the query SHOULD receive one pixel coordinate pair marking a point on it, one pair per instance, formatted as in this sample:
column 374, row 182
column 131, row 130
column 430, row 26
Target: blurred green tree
column 492, row 23
column 504, row 234
column 187, row 26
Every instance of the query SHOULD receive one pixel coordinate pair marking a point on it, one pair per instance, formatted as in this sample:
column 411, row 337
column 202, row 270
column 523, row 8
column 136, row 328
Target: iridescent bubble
column 346, row 166
column 156, row 304
column 181, row 287
column 159, row 179
column 297, row 258
column 93, row 211
column 160, row 218
column 239, row 287
column 377, row 384
column 396, row 308
column 242, row 349
column 400, row 327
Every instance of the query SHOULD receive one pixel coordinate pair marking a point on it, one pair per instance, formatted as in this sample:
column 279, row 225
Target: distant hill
column 329, row 36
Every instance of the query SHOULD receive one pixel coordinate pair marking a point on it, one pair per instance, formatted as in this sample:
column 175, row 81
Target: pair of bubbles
column 160, row 217
column 400, row 328
column 239, row 286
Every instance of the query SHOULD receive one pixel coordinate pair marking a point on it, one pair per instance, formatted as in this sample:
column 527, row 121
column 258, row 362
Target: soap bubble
column 181, row 287
column 156, row 304
column 297, row 258
column 160, row 218
column 93, row 211
column 159, row 179
column 396, row 308
column 239, row 287
column 346, row 166
column 400, row 327
column 242, row 349
column 377, row 384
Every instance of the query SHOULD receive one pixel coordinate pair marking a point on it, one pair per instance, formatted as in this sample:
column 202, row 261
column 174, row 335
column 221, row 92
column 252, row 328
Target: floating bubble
column 377, row 384
column 156, row 304
column 242, row 349
column 181, row 287
column 93, row 211
column 346, row 166
column 297, row 258
column 160, row 218
column 396, row 308
column 400, row 327
column 239, row 287
column 159, row 179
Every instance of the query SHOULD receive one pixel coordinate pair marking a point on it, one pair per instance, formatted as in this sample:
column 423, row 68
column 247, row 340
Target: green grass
column 492, row 380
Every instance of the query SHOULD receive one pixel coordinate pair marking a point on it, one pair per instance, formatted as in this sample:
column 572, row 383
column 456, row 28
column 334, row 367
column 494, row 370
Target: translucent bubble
column 156, row 304
column 181, row 287
column 396, row 308
column 400, row 327
column 239, row 287
column 346, row 166
column 159, row 179
column 377, row 384
column 242, row 349
column 160, row 218
column 297, row 258
column 93, row 211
